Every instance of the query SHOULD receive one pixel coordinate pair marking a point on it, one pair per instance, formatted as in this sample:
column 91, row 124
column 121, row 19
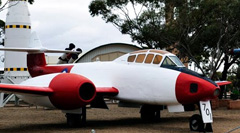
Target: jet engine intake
column 71, row 91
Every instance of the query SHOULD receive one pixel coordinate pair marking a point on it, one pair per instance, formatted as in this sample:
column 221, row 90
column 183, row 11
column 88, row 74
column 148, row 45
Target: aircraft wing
column 97, row 102
column 107, row 91
column 221, row 83
column 20, row 89
column 46, row 91
column 103, row 92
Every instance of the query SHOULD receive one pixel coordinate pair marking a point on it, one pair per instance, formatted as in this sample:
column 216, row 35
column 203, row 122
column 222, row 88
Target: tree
column 202, row 30
column 141, row 19
column 215, row 31
column 3, row 6
column 2, row 24
column 31, row 1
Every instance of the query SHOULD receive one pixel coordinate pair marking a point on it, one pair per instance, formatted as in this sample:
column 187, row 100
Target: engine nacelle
column 71, row 91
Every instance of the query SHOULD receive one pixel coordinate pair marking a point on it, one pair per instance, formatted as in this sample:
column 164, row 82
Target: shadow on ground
column 165, row 124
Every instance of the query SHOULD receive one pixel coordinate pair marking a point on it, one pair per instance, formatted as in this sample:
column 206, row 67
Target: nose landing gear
column 196, row 124
column 203, row 122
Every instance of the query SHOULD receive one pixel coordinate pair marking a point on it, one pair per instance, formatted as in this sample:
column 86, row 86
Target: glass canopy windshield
column 177, row 61
column 172, row 61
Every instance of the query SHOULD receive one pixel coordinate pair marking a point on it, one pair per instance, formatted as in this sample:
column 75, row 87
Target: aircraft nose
column 192, row 89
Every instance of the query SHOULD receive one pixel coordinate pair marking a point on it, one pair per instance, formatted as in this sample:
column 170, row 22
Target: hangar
column 107, row 52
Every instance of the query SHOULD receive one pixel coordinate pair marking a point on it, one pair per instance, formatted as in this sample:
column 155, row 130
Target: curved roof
column 108, row 48
column 162, row 52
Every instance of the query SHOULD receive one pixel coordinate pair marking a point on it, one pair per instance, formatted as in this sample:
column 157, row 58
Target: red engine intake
column 71, row 91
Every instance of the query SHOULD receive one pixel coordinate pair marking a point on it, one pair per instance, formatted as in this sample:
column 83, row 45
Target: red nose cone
column 191, row 89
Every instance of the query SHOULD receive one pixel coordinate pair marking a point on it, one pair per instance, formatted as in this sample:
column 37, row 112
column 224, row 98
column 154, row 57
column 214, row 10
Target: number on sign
column 206, row 111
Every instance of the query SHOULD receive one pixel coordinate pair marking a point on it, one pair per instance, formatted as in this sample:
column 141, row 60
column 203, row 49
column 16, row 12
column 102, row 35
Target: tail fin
column 35, row 41
column 37, row 66
column 36, row 62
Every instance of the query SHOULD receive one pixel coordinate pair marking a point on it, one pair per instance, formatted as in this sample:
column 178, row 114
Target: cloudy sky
column 60, row 22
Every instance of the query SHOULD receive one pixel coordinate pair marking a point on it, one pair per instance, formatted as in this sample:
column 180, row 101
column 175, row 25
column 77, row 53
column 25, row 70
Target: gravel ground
column 29, row 119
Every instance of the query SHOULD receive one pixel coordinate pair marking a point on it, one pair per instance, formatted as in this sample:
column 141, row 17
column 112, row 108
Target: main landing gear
column 76, row 120
column 203, row 122
column 150, row 112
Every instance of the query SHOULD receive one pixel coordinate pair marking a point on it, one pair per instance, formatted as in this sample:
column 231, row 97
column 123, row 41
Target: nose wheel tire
column 196, row 123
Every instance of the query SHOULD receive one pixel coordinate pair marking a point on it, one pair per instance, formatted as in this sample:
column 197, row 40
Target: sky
column 60, row 22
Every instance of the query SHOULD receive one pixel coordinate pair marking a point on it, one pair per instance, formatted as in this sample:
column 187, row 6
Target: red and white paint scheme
column 152, row 79
column 149, row 78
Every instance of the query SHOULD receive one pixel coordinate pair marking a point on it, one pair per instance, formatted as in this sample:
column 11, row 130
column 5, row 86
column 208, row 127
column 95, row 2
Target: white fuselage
column 136, row 83
column 146, row 84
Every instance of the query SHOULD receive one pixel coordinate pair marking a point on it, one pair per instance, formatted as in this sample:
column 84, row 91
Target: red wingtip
column 221, row 83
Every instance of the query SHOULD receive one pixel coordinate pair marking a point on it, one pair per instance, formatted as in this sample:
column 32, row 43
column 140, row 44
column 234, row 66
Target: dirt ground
column 118, row 120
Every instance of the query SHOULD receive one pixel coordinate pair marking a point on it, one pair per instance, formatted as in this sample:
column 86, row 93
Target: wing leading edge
column 37, row 50
column 19, row 89
column 46, row 91
column 107, row 91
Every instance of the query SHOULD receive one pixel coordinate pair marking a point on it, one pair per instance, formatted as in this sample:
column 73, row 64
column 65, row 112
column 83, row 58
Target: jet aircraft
column 151, row 78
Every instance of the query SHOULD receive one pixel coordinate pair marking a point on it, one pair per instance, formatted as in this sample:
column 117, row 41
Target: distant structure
column 17, row 34
column 107, row 52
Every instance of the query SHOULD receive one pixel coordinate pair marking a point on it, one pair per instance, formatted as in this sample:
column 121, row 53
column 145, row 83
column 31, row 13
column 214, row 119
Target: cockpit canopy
column 155, row 57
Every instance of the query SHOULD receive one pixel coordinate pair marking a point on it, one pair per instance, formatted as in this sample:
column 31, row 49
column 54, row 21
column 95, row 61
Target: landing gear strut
column 203, row 122
column 150, row 112
column 77, row 120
